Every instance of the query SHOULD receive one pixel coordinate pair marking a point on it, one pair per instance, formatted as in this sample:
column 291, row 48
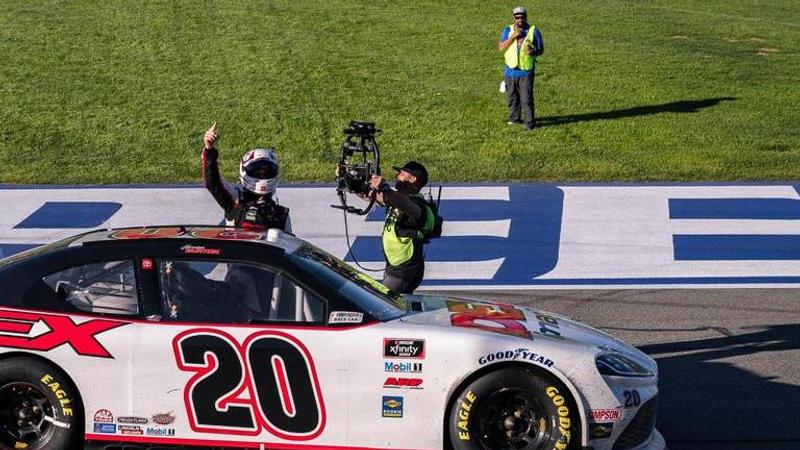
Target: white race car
column 227, row 338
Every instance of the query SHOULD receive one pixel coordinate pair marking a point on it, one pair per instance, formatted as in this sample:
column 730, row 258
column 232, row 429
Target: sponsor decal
column 63, row 399
column 147, row 264
column 604, row 415
column 160, row 431
column 464, row 409
column 392, row 406
column 200, row 250
column 402, row 383
column 518, row 354
column 130, row 429
column 147, row 233
column 402, row 367
column 60, row 330
column 564, row 422
column 345, row 317
column 132, row 419
column 600, row 430
column 103, row 416
column 404, row 348
column 548, row 325
column 227, row 234
column 164, row 418
column 106, row 428
column 495, row 318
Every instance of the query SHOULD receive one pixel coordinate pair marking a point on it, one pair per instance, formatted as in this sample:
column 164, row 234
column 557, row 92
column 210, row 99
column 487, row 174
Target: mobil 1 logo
column 403, row 348
column 402, row 367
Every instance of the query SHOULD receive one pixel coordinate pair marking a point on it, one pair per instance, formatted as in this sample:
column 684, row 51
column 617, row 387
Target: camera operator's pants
column 405, row 282
column 520, row 93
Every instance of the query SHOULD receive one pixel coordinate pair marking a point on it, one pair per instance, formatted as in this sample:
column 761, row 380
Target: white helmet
column 258, row 171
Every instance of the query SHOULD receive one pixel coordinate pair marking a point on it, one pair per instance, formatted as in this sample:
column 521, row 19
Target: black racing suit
column 405, row 217
column 242, row 208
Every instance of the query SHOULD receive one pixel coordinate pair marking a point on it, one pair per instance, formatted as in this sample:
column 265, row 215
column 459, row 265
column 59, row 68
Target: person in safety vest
column 253, row 204
column 408, row 221
column 520, row 43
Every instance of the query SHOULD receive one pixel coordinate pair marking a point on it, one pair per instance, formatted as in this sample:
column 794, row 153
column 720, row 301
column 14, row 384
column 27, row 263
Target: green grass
column 120, row 91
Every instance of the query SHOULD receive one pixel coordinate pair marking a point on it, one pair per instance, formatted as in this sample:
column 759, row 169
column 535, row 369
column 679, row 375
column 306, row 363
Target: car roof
column 272, row 237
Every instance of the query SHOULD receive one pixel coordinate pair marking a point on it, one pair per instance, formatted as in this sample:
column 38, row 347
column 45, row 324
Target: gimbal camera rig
column 359, row 161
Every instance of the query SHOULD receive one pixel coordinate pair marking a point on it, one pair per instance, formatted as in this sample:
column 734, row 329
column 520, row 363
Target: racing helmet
column 258, row 171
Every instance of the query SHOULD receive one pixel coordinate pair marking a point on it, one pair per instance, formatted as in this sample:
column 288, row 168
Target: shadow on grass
column 682, row 106
column 704, row 397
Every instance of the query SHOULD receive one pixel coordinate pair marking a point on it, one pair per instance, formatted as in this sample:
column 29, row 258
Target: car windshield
column 372, row 296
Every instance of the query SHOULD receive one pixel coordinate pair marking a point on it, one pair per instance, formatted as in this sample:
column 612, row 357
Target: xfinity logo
column 402, row 367
column 403, row 348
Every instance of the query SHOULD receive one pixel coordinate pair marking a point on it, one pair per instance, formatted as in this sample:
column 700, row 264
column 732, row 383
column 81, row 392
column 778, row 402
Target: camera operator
column 404, row 230
column 253, row 204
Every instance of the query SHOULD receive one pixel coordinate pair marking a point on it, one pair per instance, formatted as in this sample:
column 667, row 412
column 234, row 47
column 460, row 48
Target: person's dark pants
column 520, row 94
column 404, row 282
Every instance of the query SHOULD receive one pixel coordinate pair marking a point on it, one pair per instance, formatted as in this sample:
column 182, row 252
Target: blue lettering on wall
column 738, row 247
column 70, row 215
column 530, row 250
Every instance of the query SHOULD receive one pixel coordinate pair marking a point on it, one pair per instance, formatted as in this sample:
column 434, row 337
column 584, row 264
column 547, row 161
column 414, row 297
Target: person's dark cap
column 416, row 169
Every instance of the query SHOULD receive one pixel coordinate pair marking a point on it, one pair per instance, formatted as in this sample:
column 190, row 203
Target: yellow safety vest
column 516, row 57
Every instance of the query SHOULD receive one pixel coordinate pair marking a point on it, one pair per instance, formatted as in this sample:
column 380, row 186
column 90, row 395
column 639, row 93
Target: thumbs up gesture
column 211, row 136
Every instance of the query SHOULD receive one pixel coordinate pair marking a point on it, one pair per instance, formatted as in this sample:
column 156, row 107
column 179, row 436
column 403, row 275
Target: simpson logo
column 402, row 367
column 605, row 415
column 403, row 348
column 200, row 250
column 44, row 332
column 103, row 416
column 346, row 317
column 402, row 383
column 392, row 407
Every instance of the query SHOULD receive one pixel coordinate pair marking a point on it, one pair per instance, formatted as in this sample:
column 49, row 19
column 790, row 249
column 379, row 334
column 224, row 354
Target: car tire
column 514, row 408
column 41, row 406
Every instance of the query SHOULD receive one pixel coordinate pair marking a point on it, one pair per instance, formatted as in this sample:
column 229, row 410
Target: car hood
column 514, row 320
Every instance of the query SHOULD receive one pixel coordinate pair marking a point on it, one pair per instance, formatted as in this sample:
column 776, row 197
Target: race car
column 198, row 337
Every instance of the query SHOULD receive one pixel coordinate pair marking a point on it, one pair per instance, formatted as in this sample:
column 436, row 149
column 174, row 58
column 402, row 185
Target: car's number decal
column 632, row 398
column 212, row 392
column 275, row 372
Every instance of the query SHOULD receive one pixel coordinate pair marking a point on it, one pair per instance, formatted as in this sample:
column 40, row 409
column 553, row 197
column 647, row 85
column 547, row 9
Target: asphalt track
column 729, row 358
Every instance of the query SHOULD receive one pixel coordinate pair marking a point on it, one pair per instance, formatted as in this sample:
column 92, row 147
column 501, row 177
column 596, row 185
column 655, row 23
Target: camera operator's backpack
column 433, row 221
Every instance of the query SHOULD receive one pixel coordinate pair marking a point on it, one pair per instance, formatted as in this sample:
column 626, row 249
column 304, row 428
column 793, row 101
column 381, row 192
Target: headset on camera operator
column 253, row 204
column 407, row 228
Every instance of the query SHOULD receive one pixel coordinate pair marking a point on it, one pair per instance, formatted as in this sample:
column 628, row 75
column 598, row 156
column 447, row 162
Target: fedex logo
column 44, row 332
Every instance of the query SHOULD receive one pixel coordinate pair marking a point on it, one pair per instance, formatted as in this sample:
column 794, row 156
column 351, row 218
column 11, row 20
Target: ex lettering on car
column 213, row 337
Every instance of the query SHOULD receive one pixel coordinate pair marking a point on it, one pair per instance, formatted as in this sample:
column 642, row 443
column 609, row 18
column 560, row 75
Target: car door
column 240, row 353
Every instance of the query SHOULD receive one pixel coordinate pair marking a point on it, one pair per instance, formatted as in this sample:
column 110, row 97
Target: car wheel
column 40, row 406
column 515, row 409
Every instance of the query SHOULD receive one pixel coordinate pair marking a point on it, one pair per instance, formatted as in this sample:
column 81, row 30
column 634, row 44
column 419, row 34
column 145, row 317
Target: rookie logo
column 403, row 348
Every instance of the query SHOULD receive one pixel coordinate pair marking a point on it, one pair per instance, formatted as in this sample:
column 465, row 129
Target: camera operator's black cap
column 416, row 169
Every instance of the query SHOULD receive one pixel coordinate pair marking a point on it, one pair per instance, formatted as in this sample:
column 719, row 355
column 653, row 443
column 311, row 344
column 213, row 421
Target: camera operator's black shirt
column 242, row 208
